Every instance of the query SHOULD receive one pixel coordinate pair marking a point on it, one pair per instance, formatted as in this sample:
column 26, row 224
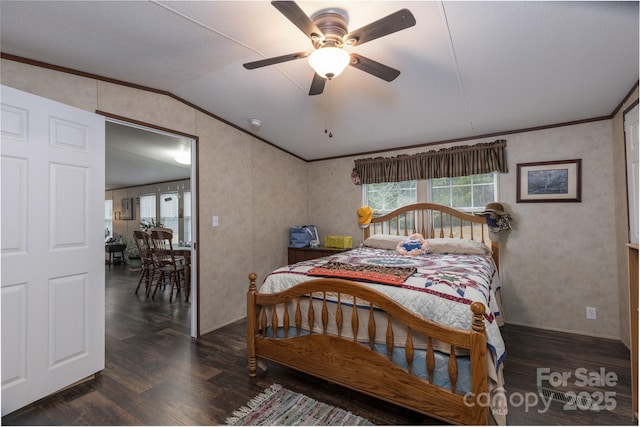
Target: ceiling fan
column 329, row 33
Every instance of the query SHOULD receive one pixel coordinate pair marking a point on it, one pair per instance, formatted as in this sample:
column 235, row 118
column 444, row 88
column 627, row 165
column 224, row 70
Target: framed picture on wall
column 126, row 209
column 555, row 181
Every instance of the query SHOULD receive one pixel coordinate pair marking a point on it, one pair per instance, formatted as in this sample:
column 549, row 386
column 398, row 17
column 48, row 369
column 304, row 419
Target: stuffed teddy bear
column 414, row 245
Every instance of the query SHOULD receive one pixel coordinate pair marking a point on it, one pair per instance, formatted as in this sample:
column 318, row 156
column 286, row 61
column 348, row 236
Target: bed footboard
column 339, row 336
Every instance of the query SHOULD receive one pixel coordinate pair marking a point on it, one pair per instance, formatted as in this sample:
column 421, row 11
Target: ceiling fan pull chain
column 330, row 112
column 327, row 118
column 326, row 123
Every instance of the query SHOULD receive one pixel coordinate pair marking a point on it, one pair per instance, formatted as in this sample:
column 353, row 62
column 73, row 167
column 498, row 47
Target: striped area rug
column 279, row 406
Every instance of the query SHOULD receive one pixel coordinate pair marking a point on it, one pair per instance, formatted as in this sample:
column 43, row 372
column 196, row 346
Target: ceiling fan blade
column 374, row 68
column 317, row 85
column 389, row 24
column 293, row 13
column 275, row 60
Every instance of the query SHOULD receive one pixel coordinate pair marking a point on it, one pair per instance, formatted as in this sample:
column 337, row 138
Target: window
column 466, row 193
column 384, row 197
column 172, row 207
column 186, row 201
column 148, row 208
column 108, row 219
column 169, row 213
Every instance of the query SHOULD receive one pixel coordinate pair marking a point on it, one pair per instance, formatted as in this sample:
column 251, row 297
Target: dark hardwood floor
column 156, row 374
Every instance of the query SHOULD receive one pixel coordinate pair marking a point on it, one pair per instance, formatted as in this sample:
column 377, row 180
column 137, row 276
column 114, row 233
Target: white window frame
column 187, row 218
column 155, row 209
column 380, row 212
column 469, row 209
column 423, row 195
column 108, row 219
column 165, row 217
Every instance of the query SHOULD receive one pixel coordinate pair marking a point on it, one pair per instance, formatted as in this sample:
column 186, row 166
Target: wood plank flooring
column 156, row 374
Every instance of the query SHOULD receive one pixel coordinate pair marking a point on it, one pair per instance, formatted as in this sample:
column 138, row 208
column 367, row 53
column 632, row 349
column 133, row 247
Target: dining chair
column 147, row 272
column 169, row 265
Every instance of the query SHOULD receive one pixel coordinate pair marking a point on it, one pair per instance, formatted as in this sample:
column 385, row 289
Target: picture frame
column 552, row 181
column 126, row 209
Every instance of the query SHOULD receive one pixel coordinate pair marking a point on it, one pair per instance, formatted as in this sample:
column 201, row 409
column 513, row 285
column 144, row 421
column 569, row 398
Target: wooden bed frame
column 341, row 359
column 429, row 220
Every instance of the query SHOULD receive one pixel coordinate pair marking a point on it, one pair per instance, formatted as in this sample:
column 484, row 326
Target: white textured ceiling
column 467, row 68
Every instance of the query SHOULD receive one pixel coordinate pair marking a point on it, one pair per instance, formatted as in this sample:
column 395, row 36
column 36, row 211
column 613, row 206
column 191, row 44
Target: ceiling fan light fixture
column 329, row 61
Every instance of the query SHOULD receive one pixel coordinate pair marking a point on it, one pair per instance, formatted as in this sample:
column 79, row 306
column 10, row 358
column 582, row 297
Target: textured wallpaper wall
column 558, row 259
column 256, row 190
column 622, row 229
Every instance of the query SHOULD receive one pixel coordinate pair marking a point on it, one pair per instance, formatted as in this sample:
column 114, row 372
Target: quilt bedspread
column 442, row 287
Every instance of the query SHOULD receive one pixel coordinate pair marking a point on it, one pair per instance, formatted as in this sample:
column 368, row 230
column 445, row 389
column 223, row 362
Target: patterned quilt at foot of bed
column 442, row 288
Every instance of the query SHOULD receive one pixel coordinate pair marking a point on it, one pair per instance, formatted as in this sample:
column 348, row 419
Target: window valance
column 445, row 163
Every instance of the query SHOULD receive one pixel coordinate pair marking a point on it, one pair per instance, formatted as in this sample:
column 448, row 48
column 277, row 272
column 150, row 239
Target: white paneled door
column 52, row 246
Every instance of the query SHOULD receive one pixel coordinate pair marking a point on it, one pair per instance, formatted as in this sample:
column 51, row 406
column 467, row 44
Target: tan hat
column 493, row 208
column 364, row 215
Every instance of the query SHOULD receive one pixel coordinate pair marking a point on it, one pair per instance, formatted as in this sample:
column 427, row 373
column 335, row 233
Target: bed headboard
column 434, row 221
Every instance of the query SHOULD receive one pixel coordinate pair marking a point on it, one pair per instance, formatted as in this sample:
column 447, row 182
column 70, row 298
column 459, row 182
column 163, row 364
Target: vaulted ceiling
column 467, row 68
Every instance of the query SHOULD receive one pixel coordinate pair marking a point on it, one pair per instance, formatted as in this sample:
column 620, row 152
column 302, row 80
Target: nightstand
column 304, row 254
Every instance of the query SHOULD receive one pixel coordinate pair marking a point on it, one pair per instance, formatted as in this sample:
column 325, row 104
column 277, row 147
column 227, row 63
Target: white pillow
column 457, row 246
column 384, row 241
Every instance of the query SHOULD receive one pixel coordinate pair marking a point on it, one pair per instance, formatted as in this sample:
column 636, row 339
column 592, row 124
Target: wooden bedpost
column 252, row 325
column 479, row 385
column 478, row 316
column 495, row 253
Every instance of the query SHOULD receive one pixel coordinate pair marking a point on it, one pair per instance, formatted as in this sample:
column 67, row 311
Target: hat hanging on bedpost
column 497, row 218
column 365, row 213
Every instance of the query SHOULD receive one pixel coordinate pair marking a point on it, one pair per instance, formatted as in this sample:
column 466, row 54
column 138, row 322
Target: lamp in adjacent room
column 184, row 158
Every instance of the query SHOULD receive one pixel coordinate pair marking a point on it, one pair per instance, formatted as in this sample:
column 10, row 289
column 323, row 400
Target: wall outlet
column 591, row 313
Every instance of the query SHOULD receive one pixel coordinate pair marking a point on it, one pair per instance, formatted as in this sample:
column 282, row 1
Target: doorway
column 153, row 171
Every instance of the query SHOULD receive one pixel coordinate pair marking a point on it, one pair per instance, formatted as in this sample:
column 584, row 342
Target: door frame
column 195, row 257
column 632, row 208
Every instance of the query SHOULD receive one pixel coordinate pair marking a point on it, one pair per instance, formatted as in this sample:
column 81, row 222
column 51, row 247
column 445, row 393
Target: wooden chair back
column 167, row 262
column 162, row 247
column 141, row 240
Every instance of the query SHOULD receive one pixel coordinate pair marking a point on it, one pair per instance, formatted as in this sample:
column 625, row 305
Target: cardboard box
column 341, row 242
